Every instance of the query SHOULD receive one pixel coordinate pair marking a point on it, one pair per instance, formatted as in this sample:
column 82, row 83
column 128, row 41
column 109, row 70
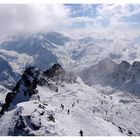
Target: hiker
column 62, row 106
column 111, row 97
column 93, row 111
column 68, row 111
column 38, row 97
column 77, row 101
column 111, row 106
column 73, row 104
column 81, row 133
column 106, row 112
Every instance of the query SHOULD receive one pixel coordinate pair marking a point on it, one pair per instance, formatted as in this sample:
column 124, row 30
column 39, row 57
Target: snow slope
column 7, row 75
column 92, row 110
column 45, row 49
column 123, row 76
column 106, row 106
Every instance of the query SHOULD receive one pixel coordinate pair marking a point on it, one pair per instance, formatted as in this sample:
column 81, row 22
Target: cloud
column 32, row 18
column 117, row 15
column 68, row 18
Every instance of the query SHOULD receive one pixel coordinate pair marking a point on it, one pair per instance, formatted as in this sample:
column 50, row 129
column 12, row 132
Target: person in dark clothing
column 68, row 111
column 111, row 106
column 73, row 104
column 38, row 97
column 81, row 133
column 62, row 106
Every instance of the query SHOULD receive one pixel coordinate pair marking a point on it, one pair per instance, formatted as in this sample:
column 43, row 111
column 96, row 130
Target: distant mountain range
column 54, row 85
column 91, row 58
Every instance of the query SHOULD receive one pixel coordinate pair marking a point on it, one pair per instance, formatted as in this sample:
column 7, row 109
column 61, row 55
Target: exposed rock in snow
column 121, row 72
column 98, row 74
column 40, row 113
column 57, row 73
column 26, row 86
column 7, row 76
column 123, row 76
column 50, row 101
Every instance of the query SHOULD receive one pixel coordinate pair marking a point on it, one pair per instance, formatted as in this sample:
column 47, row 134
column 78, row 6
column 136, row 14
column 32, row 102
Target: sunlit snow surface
column 96, row 113
column 100, row 111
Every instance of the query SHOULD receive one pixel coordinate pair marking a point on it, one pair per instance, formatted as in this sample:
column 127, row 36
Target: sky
column 68, row 17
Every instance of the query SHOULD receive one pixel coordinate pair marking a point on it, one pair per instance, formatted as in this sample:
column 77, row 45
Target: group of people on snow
column 68, row 112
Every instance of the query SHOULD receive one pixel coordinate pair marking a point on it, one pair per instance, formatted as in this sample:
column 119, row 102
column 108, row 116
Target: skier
column 68, row 111
column 81, row 133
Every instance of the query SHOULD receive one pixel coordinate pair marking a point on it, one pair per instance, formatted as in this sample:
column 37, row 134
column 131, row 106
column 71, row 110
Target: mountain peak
column 56, row 69
column 125, row 63
column 136, row 64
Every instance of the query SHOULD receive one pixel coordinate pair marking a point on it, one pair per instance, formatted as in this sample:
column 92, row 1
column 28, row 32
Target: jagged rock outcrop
column 58, row 74
column 27, row 124
column 24, row 89
column 123, row 76
column 33, row 77
column 7, row 75
column 99, row 73
column 121, row 72
column 135, row 71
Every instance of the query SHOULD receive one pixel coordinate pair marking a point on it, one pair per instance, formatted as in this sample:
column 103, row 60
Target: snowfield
column 95, row 113
column 103, row 100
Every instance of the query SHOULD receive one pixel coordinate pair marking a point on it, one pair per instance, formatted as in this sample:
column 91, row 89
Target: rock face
column 39, row 46
column 58, row 74
column 123, row 76
column 135, row 71
column 98, row 74
column 23, row 90
column 7, row 76
column 26, row 91
column 128, row 76
column 26, row 124
column 54, row 71
column 121, row 72
column 33, row 77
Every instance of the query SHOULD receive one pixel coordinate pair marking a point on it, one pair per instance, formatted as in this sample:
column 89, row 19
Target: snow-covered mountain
column 63, row 79
column 45, row 49
column 39, row 104
column 3, row 93
column 123, row 76
column 7, row 76
column 98, row 73
column 37, row 46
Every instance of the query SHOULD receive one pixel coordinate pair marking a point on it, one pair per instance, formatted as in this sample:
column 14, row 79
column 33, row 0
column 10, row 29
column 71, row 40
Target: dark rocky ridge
column 26, row 86
column 123, row 76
